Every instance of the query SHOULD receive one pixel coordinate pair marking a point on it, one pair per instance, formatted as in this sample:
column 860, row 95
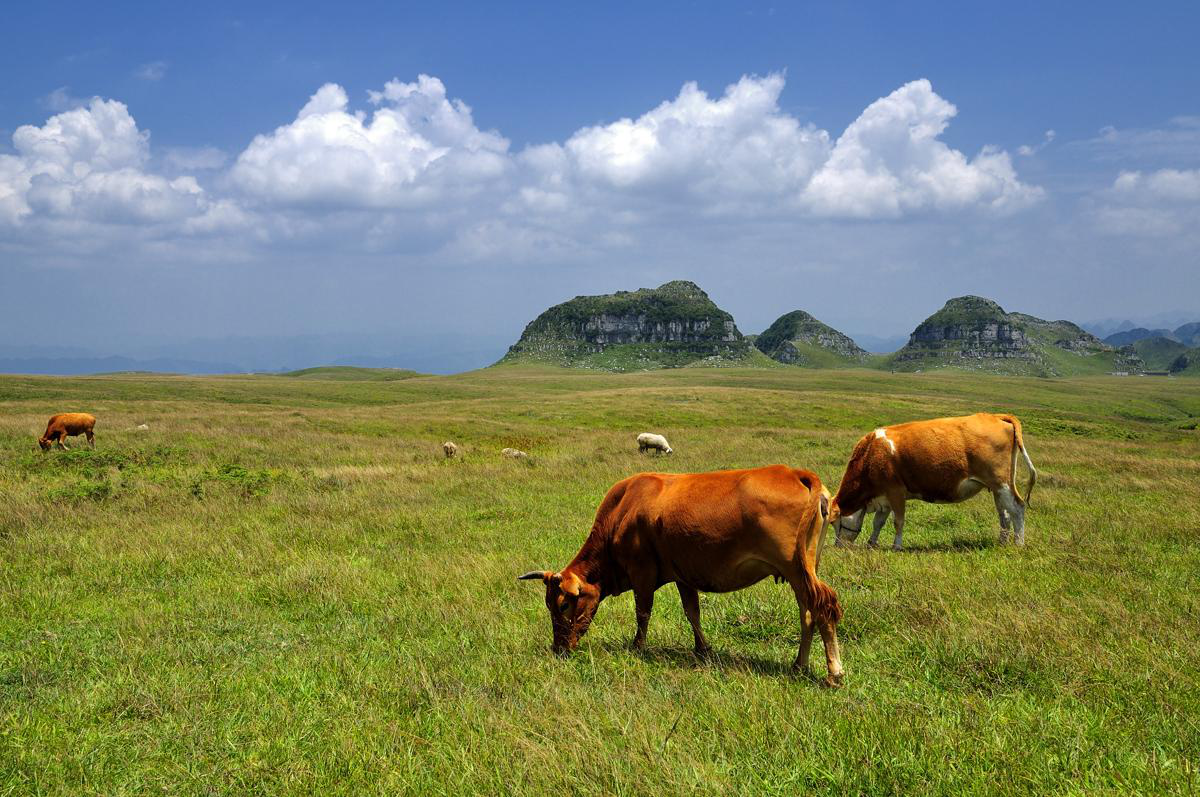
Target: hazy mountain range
column 439, row 354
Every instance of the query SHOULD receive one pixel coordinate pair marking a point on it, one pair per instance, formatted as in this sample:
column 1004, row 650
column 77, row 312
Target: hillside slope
column 796, row 338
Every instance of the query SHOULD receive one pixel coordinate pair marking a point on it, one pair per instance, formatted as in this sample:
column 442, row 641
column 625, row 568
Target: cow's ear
column 825, row 507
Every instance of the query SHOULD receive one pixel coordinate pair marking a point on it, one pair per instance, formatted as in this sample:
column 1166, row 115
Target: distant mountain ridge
column 1187, row 334
column 669, row 326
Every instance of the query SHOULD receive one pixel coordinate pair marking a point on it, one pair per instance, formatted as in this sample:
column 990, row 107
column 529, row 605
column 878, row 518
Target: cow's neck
column 848, row 502
column 593, row 564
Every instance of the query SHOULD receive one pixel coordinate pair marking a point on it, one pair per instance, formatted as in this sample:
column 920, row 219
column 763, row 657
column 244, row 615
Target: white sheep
column 513, row 453
column 450, row 448
column 647, row 440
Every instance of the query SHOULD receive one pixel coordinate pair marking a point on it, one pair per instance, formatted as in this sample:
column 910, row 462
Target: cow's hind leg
column 91, row 438
column 833, row 656
column 897, row 504
column 643, row 600
column 1018, row 521
column 806, row 637
column 1012, row 509
column 691, row 607
column 877, row 525
column 1003, row 513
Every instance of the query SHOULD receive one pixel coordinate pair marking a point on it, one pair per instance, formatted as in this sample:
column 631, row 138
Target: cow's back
column 933, row 457
column 72, row 422
column 717, row 531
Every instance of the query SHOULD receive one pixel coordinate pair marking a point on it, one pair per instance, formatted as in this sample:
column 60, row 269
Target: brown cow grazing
column 68, row 424
column 941, row 461
column 707, row 532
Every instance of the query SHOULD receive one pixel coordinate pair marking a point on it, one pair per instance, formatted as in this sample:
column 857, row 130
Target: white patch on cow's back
column 881, row 434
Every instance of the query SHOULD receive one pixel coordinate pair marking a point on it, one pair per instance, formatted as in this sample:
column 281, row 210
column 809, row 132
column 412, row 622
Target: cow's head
column 572, row 603
column 845, row 527
column 44, row 443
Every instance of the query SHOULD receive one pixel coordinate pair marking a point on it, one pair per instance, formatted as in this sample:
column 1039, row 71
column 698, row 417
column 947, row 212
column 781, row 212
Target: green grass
column 283, row 588
column 352, row 373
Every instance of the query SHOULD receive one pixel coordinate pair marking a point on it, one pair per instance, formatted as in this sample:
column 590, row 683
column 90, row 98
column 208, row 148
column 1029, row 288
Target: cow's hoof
column 897, row 548
column 803, row 671
column 704, row 653
column 835, row 681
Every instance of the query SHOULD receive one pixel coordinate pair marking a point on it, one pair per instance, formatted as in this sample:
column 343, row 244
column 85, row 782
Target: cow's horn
column 532, row 574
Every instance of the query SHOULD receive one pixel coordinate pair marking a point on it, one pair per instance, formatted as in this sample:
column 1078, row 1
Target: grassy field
column 283, row 588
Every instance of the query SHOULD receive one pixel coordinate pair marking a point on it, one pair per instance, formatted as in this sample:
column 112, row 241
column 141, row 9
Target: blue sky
column 869, row 161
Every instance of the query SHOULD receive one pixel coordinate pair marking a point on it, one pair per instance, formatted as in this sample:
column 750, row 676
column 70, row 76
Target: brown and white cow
column 706, row 532
column 68, row 424
column 942, row 461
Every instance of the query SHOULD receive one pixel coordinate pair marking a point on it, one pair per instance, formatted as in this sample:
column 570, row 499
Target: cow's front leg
column 643, row 600
column 691, row 607
column 877, row 525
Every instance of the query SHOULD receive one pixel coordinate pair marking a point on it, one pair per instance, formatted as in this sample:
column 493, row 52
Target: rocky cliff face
column 797, row 338
column 970, row 328
column 976, row 333
column 671, row 325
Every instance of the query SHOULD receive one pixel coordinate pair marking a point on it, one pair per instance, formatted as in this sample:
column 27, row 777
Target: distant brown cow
column 941, row 461
column 68, row 424
column 707, row 532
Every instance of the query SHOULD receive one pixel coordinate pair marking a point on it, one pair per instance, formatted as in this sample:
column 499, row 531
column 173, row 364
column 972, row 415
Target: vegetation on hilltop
column 670, row 326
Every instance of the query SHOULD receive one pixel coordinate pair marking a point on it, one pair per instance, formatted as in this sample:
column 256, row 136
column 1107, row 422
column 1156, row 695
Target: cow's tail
column 1019, row 445
column 821, row 599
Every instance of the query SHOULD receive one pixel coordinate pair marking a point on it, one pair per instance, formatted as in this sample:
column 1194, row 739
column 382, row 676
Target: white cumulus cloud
column 417, row 148
column 88, row 164
column 741, row 153
column 889, row 162
column 1165, row 202
column 1164, row 185
column 411, row 171
column 740, row 142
